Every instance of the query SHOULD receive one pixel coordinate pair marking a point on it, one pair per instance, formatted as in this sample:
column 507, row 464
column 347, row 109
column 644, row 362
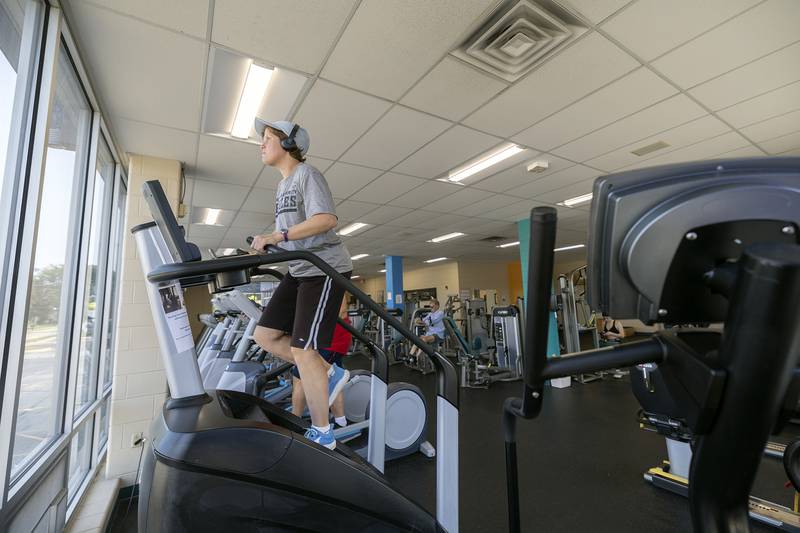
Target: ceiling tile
column 461, row 198
column 518, row 175
column 662, row 116
column 783, row 144
column 613, row 102
column 757, row 32
column 651, row 27
column 350, row 210
column 793, row 151
column 747, row 151
column 385, row 214
column 260, row 201
column 703, row 150
column 556, row 180
column 774, row 127
column 387, row 187
column 686, row 134
column 489, row 206
column 587, row 65
column 248, row 219
column 185, row 16
column 767, row 105
column 228, row 161
column 237, row 237
column 335, row 117
column 157, row 141
column 269, row 178
column 452, row 90
column 388, row 46
column 296, row 35
column 425, row 194
column 770, row 72
column 220, row 195
column 597, row 10
column 410, row 219
column 398, row 134
column 345, row 179
column 571, row 191
column 447, row 151
column 202, row 231
column 319, row 163
column 125, row 57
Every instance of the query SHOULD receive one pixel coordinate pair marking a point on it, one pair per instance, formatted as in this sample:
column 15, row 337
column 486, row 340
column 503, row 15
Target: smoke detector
column 538, row 166
column 518, row 36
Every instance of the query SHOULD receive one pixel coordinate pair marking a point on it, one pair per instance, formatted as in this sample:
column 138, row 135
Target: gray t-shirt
column 300, row 196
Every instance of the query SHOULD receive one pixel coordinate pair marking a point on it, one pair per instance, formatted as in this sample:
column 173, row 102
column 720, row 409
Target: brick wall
column 140, row 382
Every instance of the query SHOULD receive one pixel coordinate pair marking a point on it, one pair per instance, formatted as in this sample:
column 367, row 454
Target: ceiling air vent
column 518, row 36
column 494, row 238
column 650, row 148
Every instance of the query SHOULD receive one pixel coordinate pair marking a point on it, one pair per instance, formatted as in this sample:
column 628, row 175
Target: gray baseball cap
column 301, row 137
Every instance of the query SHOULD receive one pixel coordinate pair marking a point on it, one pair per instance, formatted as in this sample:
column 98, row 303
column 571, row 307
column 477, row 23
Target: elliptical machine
column 269, row 477
column 691, row 243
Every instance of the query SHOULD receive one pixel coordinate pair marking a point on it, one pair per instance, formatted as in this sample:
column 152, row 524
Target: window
column 49, row 309
column 102, row 437
column 114, row 258
column 9, row 63
column 91, row 324
column 80, row 457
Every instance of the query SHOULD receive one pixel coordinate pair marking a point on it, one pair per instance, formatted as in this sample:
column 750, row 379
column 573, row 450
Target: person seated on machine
column 332, row 355
column 613, row 331
column 301, row 315
column 434, row 328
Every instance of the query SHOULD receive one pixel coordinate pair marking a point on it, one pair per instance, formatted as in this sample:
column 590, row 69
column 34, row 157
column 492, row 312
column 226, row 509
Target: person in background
column 613, row 331
column 434, row 327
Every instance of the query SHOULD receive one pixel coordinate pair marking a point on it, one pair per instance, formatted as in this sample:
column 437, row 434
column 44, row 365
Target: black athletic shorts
column 306, row 308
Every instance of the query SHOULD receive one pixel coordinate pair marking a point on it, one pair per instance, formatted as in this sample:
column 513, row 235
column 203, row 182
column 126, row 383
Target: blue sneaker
column 323, row 439
column 336, row 382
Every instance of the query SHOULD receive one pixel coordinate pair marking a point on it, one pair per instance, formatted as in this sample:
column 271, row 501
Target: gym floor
column 581, row 463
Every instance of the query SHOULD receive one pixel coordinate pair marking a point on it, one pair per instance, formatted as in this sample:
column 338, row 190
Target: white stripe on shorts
column 318, row 315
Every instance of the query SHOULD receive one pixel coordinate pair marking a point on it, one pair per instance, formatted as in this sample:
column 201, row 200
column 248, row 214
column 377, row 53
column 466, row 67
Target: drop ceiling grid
column 464, row 123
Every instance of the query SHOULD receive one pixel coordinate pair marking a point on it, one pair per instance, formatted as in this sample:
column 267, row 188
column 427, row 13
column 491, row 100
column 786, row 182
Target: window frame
column 45, row 36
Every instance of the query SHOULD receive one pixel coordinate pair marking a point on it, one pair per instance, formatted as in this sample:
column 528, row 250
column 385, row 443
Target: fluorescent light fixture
column 436, row 260
column 227, row 251
column 350, row 228
column 578, row 200
column 492, row 158
column 354, row 277
column 254, row 89
column 508, row 244
column 359, row 256
column 574, row 246
column 447, row 237
column 212, row 216
column 382, row 270
column 275, row 267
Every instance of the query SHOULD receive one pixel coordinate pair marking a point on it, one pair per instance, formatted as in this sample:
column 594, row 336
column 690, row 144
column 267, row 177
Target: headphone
column 289, row 143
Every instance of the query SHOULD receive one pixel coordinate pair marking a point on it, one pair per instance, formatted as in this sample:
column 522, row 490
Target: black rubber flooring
column 581, row 463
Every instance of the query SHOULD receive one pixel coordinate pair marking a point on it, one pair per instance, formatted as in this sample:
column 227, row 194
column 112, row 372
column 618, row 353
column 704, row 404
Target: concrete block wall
column 140, row 384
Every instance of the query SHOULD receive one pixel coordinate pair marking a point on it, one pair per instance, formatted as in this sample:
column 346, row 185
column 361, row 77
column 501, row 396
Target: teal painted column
column 394, row 281
column 524, row 232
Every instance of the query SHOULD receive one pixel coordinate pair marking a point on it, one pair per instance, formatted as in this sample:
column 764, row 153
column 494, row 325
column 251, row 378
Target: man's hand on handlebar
column 262, row 241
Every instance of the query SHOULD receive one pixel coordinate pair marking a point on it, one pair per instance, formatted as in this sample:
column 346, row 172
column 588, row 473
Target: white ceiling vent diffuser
column 518, row 36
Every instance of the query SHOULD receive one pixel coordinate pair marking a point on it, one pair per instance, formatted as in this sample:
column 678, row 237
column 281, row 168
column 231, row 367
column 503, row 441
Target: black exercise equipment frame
column 731, row 402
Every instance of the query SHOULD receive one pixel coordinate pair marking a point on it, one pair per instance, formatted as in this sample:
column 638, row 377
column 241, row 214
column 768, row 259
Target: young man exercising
column 301, row 315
